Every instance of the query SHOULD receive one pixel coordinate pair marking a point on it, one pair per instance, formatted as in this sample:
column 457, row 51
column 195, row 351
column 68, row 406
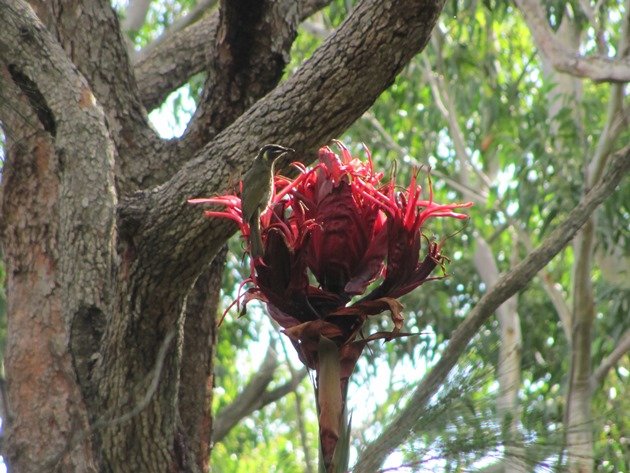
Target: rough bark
column 179, row 57
column 199, row 344
column 182, row 54
column 51, row 283
column 329, row 92
column 251, row 49
column 192, row 16
column 240, row 75
column 104, row 63
column 44, row 400
column 101, row 290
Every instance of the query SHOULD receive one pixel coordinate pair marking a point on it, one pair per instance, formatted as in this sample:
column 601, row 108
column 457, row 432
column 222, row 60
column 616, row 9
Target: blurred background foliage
column 500, row 96
column 531, row 174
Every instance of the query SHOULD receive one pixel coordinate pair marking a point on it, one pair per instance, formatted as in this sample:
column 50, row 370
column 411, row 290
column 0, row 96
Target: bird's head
column 269, row 153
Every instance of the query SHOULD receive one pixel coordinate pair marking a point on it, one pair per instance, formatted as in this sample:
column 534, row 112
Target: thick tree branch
column 197, row 373
column 178, row 25
column 596, row 68
column 67, row 220
column 178, row 57
column 599, row 374
column 250, row 52
column 508, row 285
column 104, row 62
column 70, row 113
column 140, row 401
column 165, row 243
column 183, row 53
column 151, row 310
column 331, row 90
column 241, row 68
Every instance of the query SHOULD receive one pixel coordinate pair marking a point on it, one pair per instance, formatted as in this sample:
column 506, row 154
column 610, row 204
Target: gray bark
column 101, row 315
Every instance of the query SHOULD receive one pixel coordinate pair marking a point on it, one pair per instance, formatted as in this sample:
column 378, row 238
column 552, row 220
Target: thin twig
column 507, row 285
column 623, row 347
column 447, row 107
column 254, row 396
column 394, row 146
column 104, row 421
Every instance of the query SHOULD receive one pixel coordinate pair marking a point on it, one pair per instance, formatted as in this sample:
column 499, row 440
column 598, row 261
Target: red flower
column 328, row 235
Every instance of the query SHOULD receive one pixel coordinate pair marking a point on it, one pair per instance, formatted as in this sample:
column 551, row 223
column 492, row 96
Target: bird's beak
column 284, row 152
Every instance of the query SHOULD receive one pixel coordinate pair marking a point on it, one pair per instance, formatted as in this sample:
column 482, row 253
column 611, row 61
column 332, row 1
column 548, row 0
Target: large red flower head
column 327, row 236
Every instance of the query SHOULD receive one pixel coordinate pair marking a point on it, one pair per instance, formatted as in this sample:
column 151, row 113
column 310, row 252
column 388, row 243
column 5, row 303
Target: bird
column 256, row 193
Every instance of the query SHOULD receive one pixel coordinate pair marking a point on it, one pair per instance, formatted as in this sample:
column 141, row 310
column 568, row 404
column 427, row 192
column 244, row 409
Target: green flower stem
column 329, row 400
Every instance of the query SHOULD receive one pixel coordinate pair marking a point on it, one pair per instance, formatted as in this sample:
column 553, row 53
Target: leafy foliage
column 499, row 92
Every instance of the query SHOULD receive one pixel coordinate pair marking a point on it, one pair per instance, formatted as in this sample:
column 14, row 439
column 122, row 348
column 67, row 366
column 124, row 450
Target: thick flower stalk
column 340, row 245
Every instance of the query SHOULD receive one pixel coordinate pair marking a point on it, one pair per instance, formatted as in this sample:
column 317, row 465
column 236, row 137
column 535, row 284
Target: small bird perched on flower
column 256, row 195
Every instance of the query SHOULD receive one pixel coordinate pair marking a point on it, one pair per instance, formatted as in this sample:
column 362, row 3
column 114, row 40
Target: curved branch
column 70, row 114
column 104, row 62
column 597, row 68
column 245, row 63
column 177, row 58
column 623, row 347
column 79, row 217
column 250, row 52
column 507, row 285
column 254, row 396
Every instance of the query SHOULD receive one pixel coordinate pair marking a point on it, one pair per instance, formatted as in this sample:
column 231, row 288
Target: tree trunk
column 108, row 360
